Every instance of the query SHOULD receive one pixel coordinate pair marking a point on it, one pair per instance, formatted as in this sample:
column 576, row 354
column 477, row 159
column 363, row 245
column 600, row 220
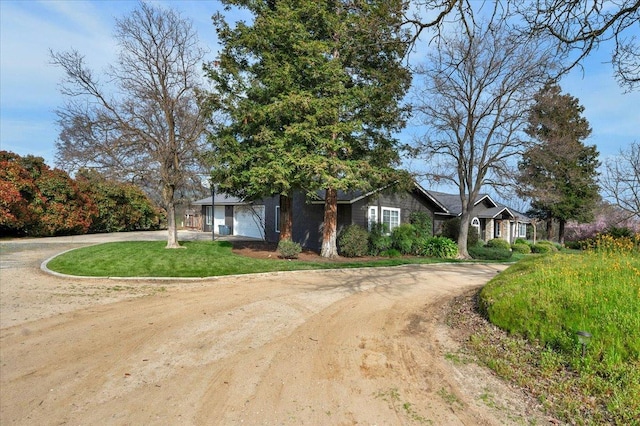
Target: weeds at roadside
column 450, row 398
column 392, row 397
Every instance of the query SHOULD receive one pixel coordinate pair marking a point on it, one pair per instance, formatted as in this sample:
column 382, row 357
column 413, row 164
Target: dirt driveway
column 343, row 347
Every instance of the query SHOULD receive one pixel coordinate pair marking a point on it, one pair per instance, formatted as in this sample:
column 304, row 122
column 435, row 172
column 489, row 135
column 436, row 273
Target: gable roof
column 350, row 197
column 484, row 207
column 221, row 199
column 453, row 204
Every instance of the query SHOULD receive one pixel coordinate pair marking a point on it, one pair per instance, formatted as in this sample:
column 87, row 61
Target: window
column 277, row 221
column 475, row 222
column 208, row 215
column 498, row 229
column 373, row 216
column 390, row 217
column 522, row 230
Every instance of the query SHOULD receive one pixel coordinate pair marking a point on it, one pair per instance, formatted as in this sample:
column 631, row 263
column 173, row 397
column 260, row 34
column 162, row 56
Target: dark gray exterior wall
column 270, row 219
column 308, row 218
column 407, row 201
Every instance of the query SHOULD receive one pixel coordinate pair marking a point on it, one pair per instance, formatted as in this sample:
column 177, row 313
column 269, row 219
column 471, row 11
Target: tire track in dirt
column 326, row 347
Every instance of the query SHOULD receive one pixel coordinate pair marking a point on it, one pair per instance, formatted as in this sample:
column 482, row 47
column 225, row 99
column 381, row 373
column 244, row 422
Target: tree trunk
column 549, row 229
column 465, row 220
column 172, row 230
column 329, row 230
column 286, row 218
column 561, row 224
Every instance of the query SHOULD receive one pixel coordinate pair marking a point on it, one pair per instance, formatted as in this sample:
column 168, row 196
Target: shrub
column 473, row 237
column 489, row 253
column 606, row 243
column 378, row 240
column 403, row 238
column 554, row 246
column 523, row 241
column 422, row 223
column 521, row 248
column 440, row 247
column 353, row 241
column 289, row 249
column 499, row 243
column 542, row 247
column 619, row 232
column 451, row 230
column 391, row 253
column 575, row 245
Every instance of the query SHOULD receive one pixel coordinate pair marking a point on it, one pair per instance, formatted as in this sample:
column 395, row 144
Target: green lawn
column 547, row 300
column 196, row 259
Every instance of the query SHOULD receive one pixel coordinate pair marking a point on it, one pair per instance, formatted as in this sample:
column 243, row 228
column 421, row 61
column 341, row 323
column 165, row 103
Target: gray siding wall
column 270, row 219
column 406, row 201
column 308, row 218
column 307, row 222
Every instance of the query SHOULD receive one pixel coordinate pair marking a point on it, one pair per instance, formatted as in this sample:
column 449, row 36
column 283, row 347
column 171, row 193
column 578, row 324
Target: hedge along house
column 490, row 219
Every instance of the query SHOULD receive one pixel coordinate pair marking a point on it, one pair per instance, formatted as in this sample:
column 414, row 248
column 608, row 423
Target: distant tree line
column 36, row 200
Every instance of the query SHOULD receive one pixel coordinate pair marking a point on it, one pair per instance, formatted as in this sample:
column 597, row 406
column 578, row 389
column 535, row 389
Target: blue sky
column 29, row 85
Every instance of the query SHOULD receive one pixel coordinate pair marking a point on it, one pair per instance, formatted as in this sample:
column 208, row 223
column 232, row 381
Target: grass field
column 196, row 259
column 547, row 300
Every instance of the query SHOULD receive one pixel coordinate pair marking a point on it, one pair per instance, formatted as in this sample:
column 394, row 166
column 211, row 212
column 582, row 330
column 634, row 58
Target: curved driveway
column 363, row 346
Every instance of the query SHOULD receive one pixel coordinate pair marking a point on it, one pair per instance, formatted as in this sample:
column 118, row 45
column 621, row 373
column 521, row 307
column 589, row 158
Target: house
column 260, row 219
column 489, row 218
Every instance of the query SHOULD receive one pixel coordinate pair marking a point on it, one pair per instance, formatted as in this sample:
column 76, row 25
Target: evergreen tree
column 312, row 91
column 558, row 172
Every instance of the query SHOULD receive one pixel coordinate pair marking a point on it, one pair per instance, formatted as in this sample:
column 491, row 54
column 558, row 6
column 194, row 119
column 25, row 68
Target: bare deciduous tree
column 477, row 88
column 578, row 26
column 620, row 181
column 147, row 127
column 581, row 26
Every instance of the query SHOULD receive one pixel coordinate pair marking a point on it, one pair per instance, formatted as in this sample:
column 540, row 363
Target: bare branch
column 152, row 132
column 476, row 88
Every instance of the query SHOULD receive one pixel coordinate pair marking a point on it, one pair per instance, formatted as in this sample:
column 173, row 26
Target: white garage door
column 248, row 221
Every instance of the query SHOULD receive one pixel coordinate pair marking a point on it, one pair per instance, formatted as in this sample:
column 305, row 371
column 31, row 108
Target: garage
column 248, row 221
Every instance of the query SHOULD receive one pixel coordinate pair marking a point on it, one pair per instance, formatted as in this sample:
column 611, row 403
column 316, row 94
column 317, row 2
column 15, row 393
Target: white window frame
column 522, row 230
column 497, row 228
column 372, row 216
column 208, row 215
column 475, row 222
column 390, row 210
column 277, row 221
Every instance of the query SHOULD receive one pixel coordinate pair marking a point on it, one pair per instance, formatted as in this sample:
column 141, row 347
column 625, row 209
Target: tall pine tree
column 312, row 91
column 559, row 172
